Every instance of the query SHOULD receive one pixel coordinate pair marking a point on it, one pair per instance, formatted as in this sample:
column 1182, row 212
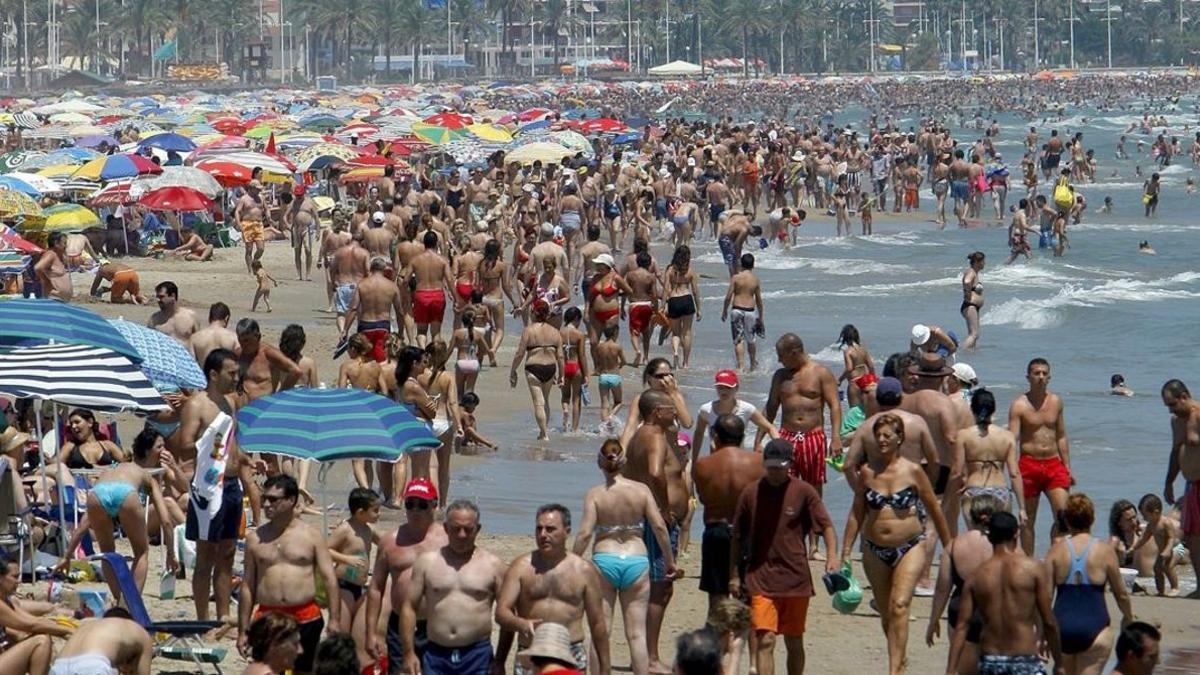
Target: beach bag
column 1063, row 198
column 848, row 600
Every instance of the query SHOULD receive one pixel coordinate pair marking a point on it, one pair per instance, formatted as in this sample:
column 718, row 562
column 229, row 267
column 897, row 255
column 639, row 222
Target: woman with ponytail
column 959, row 561
column 985, row 457
column 470, row 344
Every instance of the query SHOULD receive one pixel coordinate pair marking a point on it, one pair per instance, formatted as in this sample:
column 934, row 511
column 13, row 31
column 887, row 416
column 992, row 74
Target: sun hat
column 550, row 641
column 605, row 259
column 920, row 334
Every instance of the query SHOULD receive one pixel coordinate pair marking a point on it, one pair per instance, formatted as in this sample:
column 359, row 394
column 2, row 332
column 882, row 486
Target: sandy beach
column 835, row 643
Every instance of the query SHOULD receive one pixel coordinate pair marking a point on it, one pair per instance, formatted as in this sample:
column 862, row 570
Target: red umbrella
column 176, row 199
column 450, row 120
column 228, row 174
column 113, row 194
column 11, row 241
column 229, row 125
column 601, row 125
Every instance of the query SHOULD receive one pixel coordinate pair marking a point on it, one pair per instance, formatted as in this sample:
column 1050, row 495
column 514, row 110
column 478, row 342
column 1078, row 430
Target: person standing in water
column 972, row 302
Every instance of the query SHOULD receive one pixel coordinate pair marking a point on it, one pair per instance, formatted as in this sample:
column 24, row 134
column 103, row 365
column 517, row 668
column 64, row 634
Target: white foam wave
column 1049, row 312
column 829, row 354
column 1024, row 276
column 778, row 260
column 1132, row 227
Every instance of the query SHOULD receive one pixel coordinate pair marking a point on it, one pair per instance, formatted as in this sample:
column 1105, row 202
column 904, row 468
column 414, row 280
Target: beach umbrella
column 9, row 182
column 490, row 132
column 602, row 125
column 228, row 174
column 450, row 120
column 322, row 155
column 361, row 175
column 39, row 183
column 331, row 424
column 78, row 375
column 540, row 151
column 259, row 132
column 113, row 194
column 168, row 141
column 186, row 177
column 96, row 140
column 70, row 218
column 72, row 156
column 436, row 135
column 35, row 322
column 109, row 167
column 15, row 204
column 58, row 172
column 13, row 242
column 165, row 361
column 229, row 125
column 12, row 161
column 82, row 185
column 252, row 160
column 176, row 199
column 70, row 118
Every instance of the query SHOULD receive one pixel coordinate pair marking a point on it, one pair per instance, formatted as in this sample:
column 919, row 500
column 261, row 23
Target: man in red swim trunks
column 431, row 280
column 1185, row 459
column 804, row 389
column 1036, row 419
column 375, row 300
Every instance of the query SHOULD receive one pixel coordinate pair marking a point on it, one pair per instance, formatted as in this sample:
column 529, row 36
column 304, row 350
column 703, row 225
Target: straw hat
column 551, row 641
column 11, row 439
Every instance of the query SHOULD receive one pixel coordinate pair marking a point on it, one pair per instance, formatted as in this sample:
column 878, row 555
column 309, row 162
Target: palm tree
column 746, row 17
column 412, row 20
column 79, row 36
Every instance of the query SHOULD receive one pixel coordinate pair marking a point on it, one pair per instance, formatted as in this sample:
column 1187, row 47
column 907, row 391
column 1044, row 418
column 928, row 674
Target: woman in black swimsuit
column 972, row 302
column 887, row 505
column 86, row 449
column 541, row 348
column 683, row 293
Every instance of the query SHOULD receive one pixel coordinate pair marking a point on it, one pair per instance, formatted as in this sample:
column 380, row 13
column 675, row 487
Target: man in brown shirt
column 775, row 516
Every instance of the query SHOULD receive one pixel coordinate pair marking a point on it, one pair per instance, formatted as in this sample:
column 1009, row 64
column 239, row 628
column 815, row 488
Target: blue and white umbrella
column 168, row 141
column 165, row 361
column 77, row 375
column 331, row 424
column 25, row 322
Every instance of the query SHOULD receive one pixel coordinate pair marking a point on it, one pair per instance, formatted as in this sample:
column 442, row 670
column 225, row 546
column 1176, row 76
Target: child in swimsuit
column 350, row 547
column 469, row 431
column 610, row 358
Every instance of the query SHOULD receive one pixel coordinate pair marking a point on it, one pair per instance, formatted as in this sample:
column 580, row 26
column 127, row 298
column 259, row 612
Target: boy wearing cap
column 775, row 516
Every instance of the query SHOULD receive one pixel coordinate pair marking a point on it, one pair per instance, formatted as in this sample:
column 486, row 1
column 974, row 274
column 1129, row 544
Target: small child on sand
column 610, row 358
column 1165, row 532
column 265, row 283
column 469, row 433
column 350, row 547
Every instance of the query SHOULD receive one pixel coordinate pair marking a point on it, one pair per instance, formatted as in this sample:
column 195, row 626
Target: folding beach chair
column 183, row 642
column 14, row 521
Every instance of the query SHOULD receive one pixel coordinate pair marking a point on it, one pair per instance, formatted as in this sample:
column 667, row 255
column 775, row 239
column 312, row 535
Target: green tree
column 746, row 18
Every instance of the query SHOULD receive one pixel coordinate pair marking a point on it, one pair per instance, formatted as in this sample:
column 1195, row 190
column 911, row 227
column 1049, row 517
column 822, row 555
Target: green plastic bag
column 848, row 600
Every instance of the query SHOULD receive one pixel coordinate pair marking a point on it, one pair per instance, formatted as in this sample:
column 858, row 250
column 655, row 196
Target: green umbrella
column 14, row 160
column 435, row 135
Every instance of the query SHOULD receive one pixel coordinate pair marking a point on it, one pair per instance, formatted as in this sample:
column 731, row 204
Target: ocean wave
column 779, row 260
column 829, row 354
column 1152, row 228
column 1049, row 312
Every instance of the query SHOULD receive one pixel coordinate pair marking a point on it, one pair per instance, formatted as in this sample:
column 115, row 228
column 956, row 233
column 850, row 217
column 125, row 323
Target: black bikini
column 901, row 501
column 76, row 460
column 975, row 623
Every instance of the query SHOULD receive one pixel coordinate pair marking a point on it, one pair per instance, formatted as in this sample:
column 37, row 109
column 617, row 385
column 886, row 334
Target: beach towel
column 212, row 452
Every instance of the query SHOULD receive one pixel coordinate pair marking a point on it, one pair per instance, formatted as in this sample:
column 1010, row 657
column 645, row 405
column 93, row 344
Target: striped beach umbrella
column 166, row 362
column 77, row 375
column 109, row 167
column 26, row 322
column 331, row 424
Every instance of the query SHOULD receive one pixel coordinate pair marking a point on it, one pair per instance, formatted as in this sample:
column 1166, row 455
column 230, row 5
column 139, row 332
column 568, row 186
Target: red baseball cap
column 421, row 488
column 726, row 378
column 299, row 190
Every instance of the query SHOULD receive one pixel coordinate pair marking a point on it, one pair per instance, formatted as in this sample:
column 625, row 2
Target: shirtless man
column 1036, row 419
column 643, row 301
column 716, row 195
column 960, row 190
column 282, row 557
column 553, row 585
column 301, row 221
column 398, row 551
column 51, row 269
column 349, row 265
column 720, row 478
column 548, row 249
column 432, row 279
column 456, row 586
column 260, row 362
column 1185, row 459
column 332, row 241
column 733, row 229
column 377, row 239
column 584, row 268
column 114, row 643
column 215, row 334
column 1011, row 593
column 650, row 459
column 178, row 322
column 926, row 400
column 124, row 284
column 249, row 215
column 744, row 310
column 372, row 305
column 804, row 388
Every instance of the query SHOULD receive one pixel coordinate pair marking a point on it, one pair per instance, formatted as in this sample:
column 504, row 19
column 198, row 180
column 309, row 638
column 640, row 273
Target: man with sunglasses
column 457, row 585
column 398, row 550
column 283, row 556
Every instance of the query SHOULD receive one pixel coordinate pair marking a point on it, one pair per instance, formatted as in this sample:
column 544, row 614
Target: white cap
column 605, row 259
column 965, row 374
column 691, row 161
column 920, row 334
column 547, row 229
column 610, row 186
column 377, row 217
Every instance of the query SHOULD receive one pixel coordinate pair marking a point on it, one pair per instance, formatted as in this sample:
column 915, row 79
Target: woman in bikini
column 887, row 508
column 551, row 287
column 857, row 361
column 683, row 302
column 616, row 514
column 495, row 283
column 410, row 365
column 604, row 297
column 541, row 348
column 115, row 499
column 469, row 343
column 985, row 456
column 88, row 449
column 972, row 302
column 446, row 423
column 465, row 266
column 575, row 370
column 361, row 371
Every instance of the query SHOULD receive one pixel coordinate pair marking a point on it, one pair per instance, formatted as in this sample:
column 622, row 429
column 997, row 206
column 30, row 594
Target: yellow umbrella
column 58, row 171
column 69, row 217
column 490, row 132
column 532, row 152
column 324, row 203
column 14, row 204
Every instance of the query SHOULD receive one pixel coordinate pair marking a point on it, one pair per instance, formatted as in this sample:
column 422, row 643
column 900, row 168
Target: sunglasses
column 662, row 375
column 271, row 499
column 417, row 504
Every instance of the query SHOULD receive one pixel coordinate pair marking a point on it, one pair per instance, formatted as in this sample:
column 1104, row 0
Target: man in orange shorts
column 774, row 518
column 124, row 280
